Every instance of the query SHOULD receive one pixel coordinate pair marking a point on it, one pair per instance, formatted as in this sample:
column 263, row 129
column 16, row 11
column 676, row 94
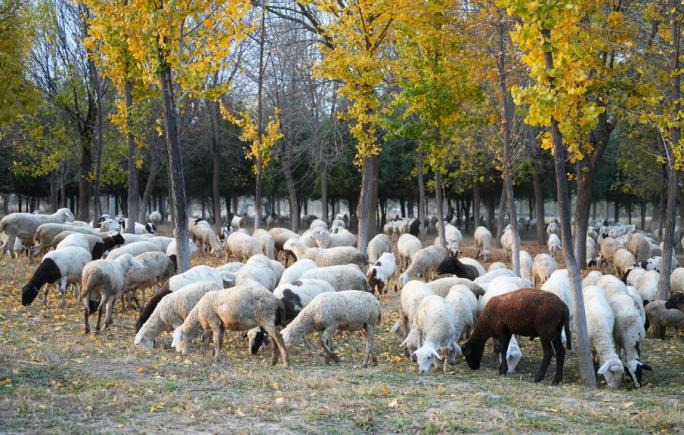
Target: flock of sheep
column 330, row 285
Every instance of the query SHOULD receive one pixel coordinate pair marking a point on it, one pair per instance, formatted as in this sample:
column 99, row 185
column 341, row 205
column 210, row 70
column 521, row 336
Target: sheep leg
column 548, row 352
column 369, row 347
column 110, row 309
column 47, row 287
column 560, row 359
column 100, row 308
column 10, row 245
column 326, row 341
column 62, row 290
column 218, row 340
column 503, row 349
column 273, row 333
column 86, row 315
column 205, row 341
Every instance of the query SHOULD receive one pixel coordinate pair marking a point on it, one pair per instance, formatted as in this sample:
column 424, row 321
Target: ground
column 53, row 377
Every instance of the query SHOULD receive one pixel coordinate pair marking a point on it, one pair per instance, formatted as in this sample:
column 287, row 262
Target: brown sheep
column 527, row 312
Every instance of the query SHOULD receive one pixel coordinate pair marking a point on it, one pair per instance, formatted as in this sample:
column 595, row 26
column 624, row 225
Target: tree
column 549, row 34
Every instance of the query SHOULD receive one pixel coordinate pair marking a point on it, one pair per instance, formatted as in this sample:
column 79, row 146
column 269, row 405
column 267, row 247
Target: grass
column 53, row 377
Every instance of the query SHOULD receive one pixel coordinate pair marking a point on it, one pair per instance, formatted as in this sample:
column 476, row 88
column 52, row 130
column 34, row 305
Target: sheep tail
column 149, row 309
column 566, row 326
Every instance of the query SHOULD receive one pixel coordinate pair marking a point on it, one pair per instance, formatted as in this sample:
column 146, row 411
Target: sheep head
column 472, row 351
column 426, row 356
column 612, row 371
column 635, row 370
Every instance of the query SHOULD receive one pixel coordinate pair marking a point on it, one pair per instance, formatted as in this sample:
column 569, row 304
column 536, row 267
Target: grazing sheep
column 559, row 284
column 592, row 278
column 24, row 225
column 349, row 310
column 483, row 243
column 324, row 239
column 622, row 260
column 172, row 249
column 133, row 249
column 45, row 234
column 502, row 285
column 407, row 246
column 525, row 265
column 462, row 299
column 381, row 271
column 280, row 236
column 527, row 312
column 343, row 277
column 259, row 269
column 600, row 325
column 425, row 261
column 264, row 237
column 65, row 265
column 442, row 286
column 242, row 246
column 327, row 257
column 452, row 265
column 318, row 223
column 553, row 244
column 296, row 270
column 639, row 246
column 155, row 217
column 664, row 317
column 237, row 309
column 150, row 269
column 496, row 266
column 237, row 222
column 96, row 245
column 542, row 268
column 171, row 311
column 453, row 238
column 411, row 295
column 608, row 246
column 436, row 327
column 205, row 237
column 486, row 279
column 196, row 274
column 106, row 278
column 379, row 245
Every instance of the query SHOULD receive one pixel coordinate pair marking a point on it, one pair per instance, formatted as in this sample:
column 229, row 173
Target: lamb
column 525, row 265
column 295, row 271
column 106, row 278
column 65, row 265
column 346, row 310
column 628, row 333
column 452, row 265
column 242, row 246
column 155, row 217
column 542, row 268
column 381, row 271
column 24, row 225
column 639, row 246
column 677, row 280
column 259, row 269
column 133, row 249
column 436, row 326
column 264, row 237
column 623, row 260
column 600, row 323
column 343, row 277
column 411, row 295
column 378, row 246
column 407, row 246
column 496, row 266
column 324, row 239
column 527, row 312
column 295, row 296
column 237, row 309
column 96, row 245
column 553, row 244
column 483, row 243
column 327, row 257
column 423, row 262
column 170, row 312
column 664, row 317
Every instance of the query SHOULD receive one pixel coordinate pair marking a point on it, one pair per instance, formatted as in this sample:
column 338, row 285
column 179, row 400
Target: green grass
column 53, row 377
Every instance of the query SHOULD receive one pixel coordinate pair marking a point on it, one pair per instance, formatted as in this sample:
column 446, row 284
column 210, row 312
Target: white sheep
column 453, row 238
column 559, row 284
column 381, row 271
column 648, row 285
column 24, row 225
column 344, row 277
column 242, row 246
column 267, row 242
column 325, row 239
column 140, row 228
column 507, row 240
column 259, row 269
column 205, row 237
column 407, row 246
column 553, row 244
column 600, row 325
column 633, row 275
column 106, row 278
column 133, row 249
column 496, row 266
column 677, row 280
column 639, row 246
column 318, row 223
column 155, row 217
column 623, row 260
column 436, row 327
column 424, row 262
column 96, row 245
column 525, row 265
column 237, row 222
column 379, row 245
column 411, row 295
column 328, row 312
column 664, row 317
column 196, row 274
column 150, row 269
column 237, row 309
column 473, row 262
column 486, row 279
column 442, row 286
column 483, row 243
column 542, row 268
column 608, row 246
column 591, row 253
column 65, row 265
column 553, row 228
column 172, row 248
column 295, row 271
column 45, row 234
column 172, row 311
column 592, row 278
column 281, row 235
column 465, row 304
column 502, row 285
column 327, row 256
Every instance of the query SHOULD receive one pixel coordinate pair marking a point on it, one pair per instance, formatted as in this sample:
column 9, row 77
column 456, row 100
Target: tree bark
column 476, row 204
column 368, row 201
column 260, row 123
column 422, row 218
column 439, row 199
column 324, row 192
column 581, row 332
column 537, row 184
column 155, row 167
column 502, row 214
column 175, row 169
column 132, row 169
column 286, row 164
column 216, row 165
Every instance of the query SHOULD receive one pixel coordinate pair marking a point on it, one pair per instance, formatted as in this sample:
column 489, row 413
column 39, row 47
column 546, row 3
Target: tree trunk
column 616, row 211
column 175, row 169
column 132, row 169
column 439, row 199
column 291, row 187
column 368, row 200
column 260, row 123
column 537, row 184
column 422, row 218
column 100, row 148
column 155, row 167
column 216, row 166
column 324, row 192
column 502, row 214
column 491, row 214
column 642, row 213
column 584, row 356
column 83, row 182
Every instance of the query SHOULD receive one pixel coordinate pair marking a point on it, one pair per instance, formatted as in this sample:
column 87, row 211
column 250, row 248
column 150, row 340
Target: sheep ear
column 437, row 355
column 603, row 369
